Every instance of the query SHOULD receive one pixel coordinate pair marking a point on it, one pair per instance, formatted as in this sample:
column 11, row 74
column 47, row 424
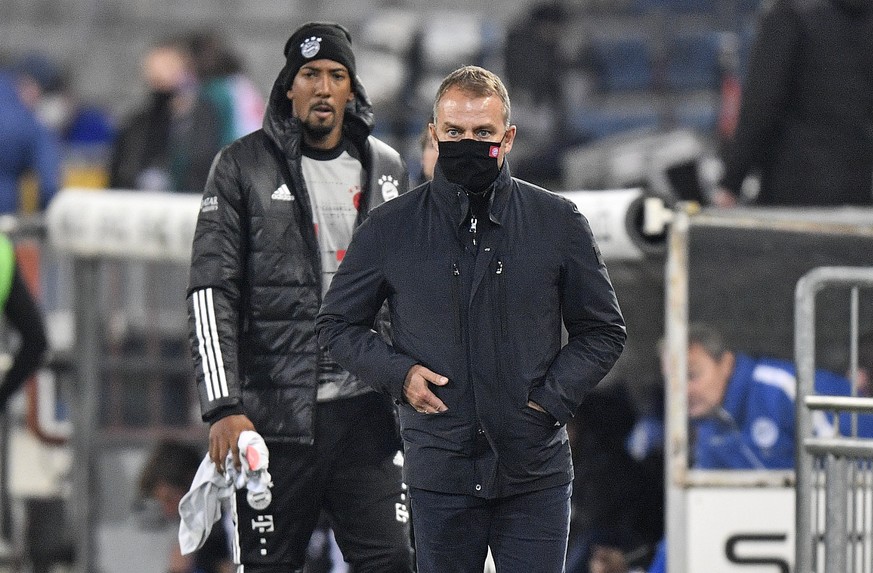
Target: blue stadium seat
column 622, row 64
column 676, row 6
column 692, row 6
column 693, row 62
column 596, row 123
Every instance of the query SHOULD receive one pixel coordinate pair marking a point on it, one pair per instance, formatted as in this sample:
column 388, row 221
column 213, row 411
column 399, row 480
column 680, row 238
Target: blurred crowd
column 662, row 80
column 572, row 87
column 198, row 99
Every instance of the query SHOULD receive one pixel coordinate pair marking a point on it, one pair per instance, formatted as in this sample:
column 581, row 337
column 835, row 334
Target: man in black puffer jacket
column 806, row 116
column 277, row 215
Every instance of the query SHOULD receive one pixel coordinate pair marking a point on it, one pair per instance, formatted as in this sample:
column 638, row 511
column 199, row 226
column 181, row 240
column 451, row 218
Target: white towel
column 200, row 508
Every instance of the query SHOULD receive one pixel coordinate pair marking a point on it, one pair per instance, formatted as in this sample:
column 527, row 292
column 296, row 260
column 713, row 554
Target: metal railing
column 834, row 491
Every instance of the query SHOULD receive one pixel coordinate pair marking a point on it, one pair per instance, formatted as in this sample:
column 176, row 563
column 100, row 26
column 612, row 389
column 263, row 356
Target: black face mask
column 469, row 163
column 161, row 98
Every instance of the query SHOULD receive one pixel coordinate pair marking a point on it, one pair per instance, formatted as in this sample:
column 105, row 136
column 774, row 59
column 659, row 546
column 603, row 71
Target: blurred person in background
column 277, row 215
column 618, row 499
column 165, row 478
column 237, row 100
column 614, row 552
column 535, row 64
column 742, row 409
column 806, row 111
column 428, row 157
column 85, row 129
column 169, row 143
column 49, row 92
column 24, row 315
column 864, row 374
column 31, row 150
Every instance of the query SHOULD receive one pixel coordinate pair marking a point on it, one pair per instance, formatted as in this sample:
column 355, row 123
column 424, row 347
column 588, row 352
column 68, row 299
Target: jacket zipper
column 501, row 295
column 456, row 300
column 500, row 348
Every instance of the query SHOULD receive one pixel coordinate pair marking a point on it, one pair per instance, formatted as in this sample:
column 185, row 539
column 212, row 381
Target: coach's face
column 462, row 115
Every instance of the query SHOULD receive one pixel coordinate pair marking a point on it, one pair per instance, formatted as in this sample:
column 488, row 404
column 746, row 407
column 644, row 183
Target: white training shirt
column 334, row 185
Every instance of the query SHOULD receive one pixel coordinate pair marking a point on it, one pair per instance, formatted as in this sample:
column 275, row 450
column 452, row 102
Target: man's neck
column 324, row 154
column 329, row 141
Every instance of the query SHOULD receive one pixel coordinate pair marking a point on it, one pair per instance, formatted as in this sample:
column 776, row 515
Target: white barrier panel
column 160, row 226
column 740, row 530
column 616, row 218
column 147, row 225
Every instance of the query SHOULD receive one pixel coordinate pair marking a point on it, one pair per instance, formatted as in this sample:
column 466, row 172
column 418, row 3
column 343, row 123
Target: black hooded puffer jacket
column 255, row 284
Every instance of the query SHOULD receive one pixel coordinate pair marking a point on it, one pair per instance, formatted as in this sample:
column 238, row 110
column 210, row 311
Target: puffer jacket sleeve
column 592, row 317
column 214, row 291
column 345, row 323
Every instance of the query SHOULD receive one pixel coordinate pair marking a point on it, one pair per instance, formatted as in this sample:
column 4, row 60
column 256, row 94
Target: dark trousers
column 350, row 473
column 527, row 533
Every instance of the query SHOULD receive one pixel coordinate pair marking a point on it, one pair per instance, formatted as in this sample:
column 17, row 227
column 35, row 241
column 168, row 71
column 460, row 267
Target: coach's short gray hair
column 478, row 82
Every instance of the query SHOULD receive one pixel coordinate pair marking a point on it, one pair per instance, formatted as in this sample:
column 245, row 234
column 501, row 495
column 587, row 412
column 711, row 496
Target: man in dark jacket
column 806, row 115
column 479, row 270
column 168, row 144
column 276, row 217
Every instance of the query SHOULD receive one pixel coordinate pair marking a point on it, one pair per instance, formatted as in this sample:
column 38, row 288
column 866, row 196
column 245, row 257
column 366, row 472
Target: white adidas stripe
column 219, row 359
column 210, row 351
column 205, row 357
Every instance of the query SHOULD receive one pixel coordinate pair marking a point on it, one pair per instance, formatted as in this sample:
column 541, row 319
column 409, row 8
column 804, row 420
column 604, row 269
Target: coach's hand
column 417, row 392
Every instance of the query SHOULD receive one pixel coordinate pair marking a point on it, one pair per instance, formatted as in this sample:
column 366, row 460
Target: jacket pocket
column 543, row 419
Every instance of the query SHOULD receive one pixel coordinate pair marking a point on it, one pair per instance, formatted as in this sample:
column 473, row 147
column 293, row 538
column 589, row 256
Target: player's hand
column 224, row 437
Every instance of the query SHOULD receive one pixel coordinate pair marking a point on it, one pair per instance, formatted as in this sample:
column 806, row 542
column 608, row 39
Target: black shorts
column 353, row 473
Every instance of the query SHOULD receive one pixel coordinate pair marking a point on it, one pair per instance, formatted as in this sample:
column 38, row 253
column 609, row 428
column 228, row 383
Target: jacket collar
column 452, row 197
column 737, row 391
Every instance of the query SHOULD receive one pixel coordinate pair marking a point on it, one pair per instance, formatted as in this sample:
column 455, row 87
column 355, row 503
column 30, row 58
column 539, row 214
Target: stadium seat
column 594, row 123
column 622, row 64
column 693, row 62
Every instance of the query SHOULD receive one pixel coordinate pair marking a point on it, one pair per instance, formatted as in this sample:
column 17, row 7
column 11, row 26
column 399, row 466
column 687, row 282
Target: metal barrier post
column 676, row 447
column 87, row 399
column 804, row 340
column 836, row 501
column 839, row 454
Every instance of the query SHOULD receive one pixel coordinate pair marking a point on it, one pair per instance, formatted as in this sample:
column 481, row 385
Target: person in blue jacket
column 741, row 409
column 28, row 147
